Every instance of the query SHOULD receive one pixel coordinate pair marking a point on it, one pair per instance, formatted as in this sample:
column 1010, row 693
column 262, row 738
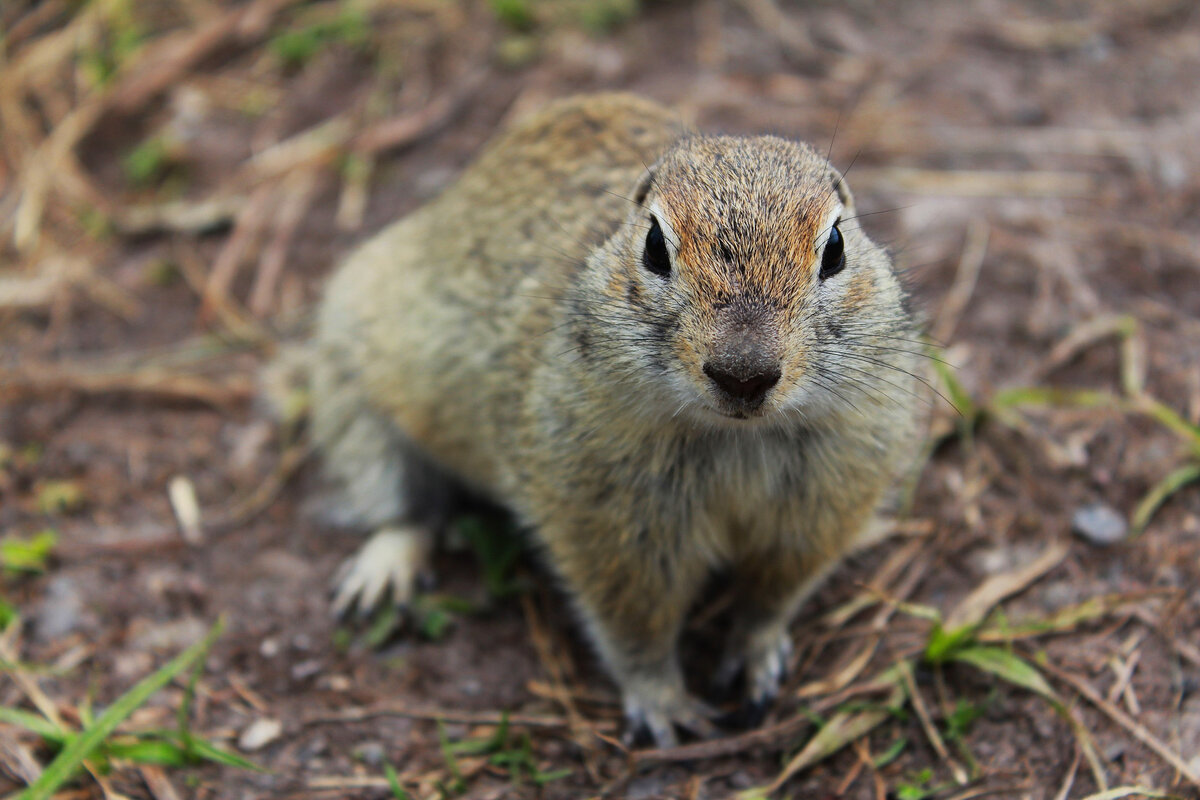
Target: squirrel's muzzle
column 744, row 364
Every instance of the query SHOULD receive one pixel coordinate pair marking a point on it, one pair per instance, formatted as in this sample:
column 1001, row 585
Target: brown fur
column 509, row 338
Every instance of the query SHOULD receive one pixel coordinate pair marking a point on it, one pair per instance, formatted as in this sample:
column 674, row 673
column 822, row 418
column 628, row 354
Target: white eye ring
column 669, row 234
column 831, row 219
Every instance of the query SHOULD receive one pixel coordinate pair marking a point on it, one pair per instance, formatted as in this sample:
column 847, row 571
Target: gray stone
column 60, row 611
column 370, row 753
column 1099, row 524
column 259, row 734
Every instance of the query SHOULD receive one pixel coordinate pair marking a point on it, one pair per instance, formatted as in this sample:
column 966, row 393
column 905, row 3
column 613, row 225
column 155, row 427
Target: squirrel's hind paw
column 654, row 719
column 390, row 563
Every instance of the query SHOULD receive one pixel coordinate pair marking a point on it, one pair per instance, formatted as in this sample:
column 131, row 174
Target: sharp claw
column 343, row 601
column 387, row 564
column 763, row 662
column 657, row 723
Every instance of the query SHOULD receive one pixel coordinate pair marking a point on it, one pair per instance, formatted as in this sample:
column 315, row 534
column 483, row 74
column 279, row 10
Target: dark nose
column 749, row 389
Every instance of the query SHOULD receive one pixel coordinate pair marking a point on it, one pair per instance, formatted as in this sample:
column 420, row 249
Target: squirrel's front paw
column 763, row 660
column 656, row 708
column 391, row 562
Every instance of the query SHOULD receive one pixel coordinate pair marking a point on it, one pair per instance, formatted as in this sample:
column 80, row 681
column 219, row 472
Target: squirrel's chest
column 739, row 493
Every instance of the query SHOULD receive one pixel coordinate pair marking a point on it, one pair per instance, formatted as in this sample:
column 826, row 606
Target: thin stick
column 444, row 715
column 965, row 278
column 1125, row 721
column 299, row 191
column 43, row 380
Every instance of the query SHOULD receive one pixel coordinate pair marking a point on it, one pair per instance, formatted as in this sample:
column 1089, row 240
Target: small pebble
column 338, row 683
column 60, row 612
column 1099, row 524
column 306, row 669
column 370, row 753
column 741, row 779
column 312, row 748
column 259, row 734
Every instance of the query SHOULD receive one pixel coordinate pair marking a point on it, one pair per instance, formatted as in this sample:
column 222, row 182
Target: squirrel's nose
column 748, row 389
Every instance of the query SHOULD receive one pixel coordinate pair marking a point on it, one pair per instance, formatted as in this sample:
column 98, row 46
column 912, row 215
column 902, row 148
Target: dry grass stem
column 977, row 605
column 298, row 190
column 1136, row 729
column 927, row 725
column 965, row 278
column 34, row 380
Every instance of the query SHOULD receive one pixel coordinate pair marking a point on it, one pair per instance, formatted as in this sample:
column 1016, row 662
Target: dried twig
column 444, row 715
column 158, row 783
column 173, row 55
column 17, row 760
column 42, row 380
column 769, row 738
column 247, row 508
column 1139, row 731
column 249, row 225
column 581, row 732
column 965, row 277
column 931, row 731
column 298, row 192
column 976, row 605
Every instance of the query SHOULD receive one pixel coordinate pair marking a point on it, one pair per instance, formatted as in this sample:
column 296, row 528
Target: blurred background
column 177, row 177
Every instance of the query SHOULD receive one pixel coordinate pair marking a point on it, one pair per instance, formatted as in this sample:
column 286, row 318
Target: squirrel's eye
column 655, row 256
column 834, row 257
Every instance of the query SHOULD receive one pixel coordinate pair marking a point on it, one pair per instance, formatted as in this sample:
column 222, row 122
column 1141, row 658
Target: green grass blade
column 156, row 751
column 394, row 782
column 80, row 747
column 958, row 395
column 33, row 722
column 1159, row 493
column 943, row 644
column 844, row 727
column 1006, row 665
column 1169, row 418
column 1052, row 396
column 28, row 555
column 492, row 744
column 202, row 749
column 1065, row 619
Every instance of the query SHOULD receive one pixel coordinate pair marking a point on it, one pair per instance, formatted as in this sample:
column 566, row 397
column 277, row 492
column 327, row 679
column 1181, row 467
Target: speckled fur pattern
column 508, row 338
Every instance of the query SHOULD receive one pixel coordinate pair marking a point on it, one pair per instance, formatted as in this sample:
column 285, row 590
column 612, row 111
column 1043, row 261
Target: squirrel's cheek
column 859, row 294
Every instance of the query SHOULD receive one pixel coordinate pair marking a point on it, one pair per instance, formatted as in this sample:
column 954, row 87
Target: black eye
column 834, row 257
column 655, row 256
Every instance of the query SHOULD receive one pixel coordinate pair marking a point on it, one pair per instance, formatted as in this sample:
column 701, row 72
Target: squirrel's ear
column 643, row 187
column 842, row 189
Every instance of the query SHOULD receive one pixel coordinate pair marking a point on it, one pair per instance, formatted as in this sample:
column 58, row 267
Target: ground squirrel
column 667, row 354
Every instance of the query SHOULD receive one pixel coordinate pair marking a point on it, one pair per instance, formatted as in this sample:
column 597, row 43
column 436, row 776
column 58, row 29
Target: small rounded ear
column 643, row 187
column 842, row 189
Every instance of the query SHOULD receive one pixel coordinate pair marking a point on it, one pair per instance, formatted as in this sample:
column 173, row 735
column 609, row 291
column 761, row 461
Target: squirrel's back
column 441, row 314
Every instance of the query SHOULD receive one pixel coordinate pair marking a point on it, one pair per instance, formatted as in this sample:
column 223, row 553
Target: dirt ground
column 179, row 176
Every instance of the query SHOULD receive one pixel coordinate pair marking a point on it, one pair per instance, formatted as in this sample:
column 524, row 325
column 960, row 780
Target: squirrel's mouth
column 741, row 411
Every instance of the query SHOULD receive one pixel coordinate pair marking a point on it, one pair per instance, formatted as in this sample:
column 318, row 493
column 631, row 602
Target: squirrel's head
column 743, row 279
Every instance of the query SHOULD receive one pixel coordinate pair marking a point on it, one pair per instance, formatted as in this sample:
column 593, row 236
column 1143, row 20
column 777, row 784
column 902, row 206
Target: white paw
column 763, row 660
column 656, row 708
column 388, row 564
column 766, row 665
